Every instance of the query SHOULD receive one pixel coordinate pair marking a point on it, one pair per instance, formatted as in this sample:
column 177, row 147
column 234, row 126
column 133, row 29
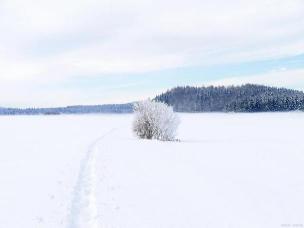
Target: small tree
column 154, row 120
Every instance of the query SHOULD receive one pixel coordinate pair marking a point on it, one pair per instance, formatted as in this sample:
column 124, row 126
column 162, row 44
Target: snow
column 89, row 171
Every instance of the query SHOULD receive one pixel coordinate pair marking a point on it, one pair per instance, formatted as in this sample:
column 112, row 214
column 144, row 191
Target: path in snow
column 83, row 211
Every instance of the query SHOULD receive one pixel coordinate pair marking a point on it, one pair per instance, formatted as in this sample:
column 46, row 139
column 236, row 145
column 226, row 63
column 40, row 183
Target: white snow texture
column 89, row 171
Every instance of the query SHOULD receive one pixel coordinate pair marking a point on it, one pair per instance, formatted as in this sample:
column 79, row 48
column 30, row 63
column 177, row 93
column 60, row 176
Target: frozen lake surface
column 89, row 171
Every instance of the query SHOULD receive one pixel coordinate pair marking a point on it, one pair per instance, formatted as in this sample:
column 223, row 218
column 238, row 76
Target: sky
column 68, row 52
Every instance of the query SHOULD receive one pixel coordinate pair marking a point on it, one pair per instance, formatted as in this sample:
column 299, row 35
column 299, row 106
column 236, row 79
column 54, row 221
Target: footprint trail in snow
column 83, row 211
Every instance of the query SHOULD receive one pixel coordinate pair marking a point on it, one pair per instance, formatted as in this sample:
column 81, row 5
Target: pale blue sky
column 64, row 52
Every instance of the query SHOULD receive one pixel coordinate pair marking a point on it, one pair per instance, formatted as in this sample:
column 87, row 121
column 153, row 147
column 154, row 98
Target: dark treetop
column 246, row 98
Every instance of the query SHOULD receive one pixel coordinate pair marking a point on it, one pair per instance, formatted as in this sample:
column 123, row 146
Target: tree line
column 78, row 109
column 245, row 98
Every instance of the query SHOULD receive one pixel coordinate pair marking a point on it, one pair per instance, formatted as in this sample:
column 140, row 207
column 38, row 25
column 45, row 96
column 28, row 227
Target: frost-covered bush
column 155, row 120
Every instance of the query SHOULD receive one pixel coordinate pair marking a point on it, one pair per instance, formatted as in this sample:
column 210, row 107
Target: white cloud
column 53, row 41
column 279, row 78
column 109, row 34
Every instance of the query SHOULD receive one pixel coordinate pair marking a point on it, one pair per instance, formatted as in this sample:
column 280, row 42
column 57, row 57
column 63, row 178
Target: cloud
column 279, row 78
column 106, row 35
column 56, row 41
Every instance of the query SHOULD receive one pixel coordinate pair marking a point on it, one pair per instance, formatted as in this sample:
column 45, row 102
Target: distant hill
column 246, row 98
column 79, row 109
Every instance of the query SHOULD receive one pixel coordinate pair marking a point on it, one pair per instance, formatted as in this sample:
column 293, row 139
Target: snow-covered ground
column 228, row 170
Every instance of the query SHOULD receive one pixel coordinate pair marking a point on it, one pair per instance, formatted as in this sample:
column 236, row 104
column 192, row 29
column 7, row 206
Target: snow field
column 228, row 170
